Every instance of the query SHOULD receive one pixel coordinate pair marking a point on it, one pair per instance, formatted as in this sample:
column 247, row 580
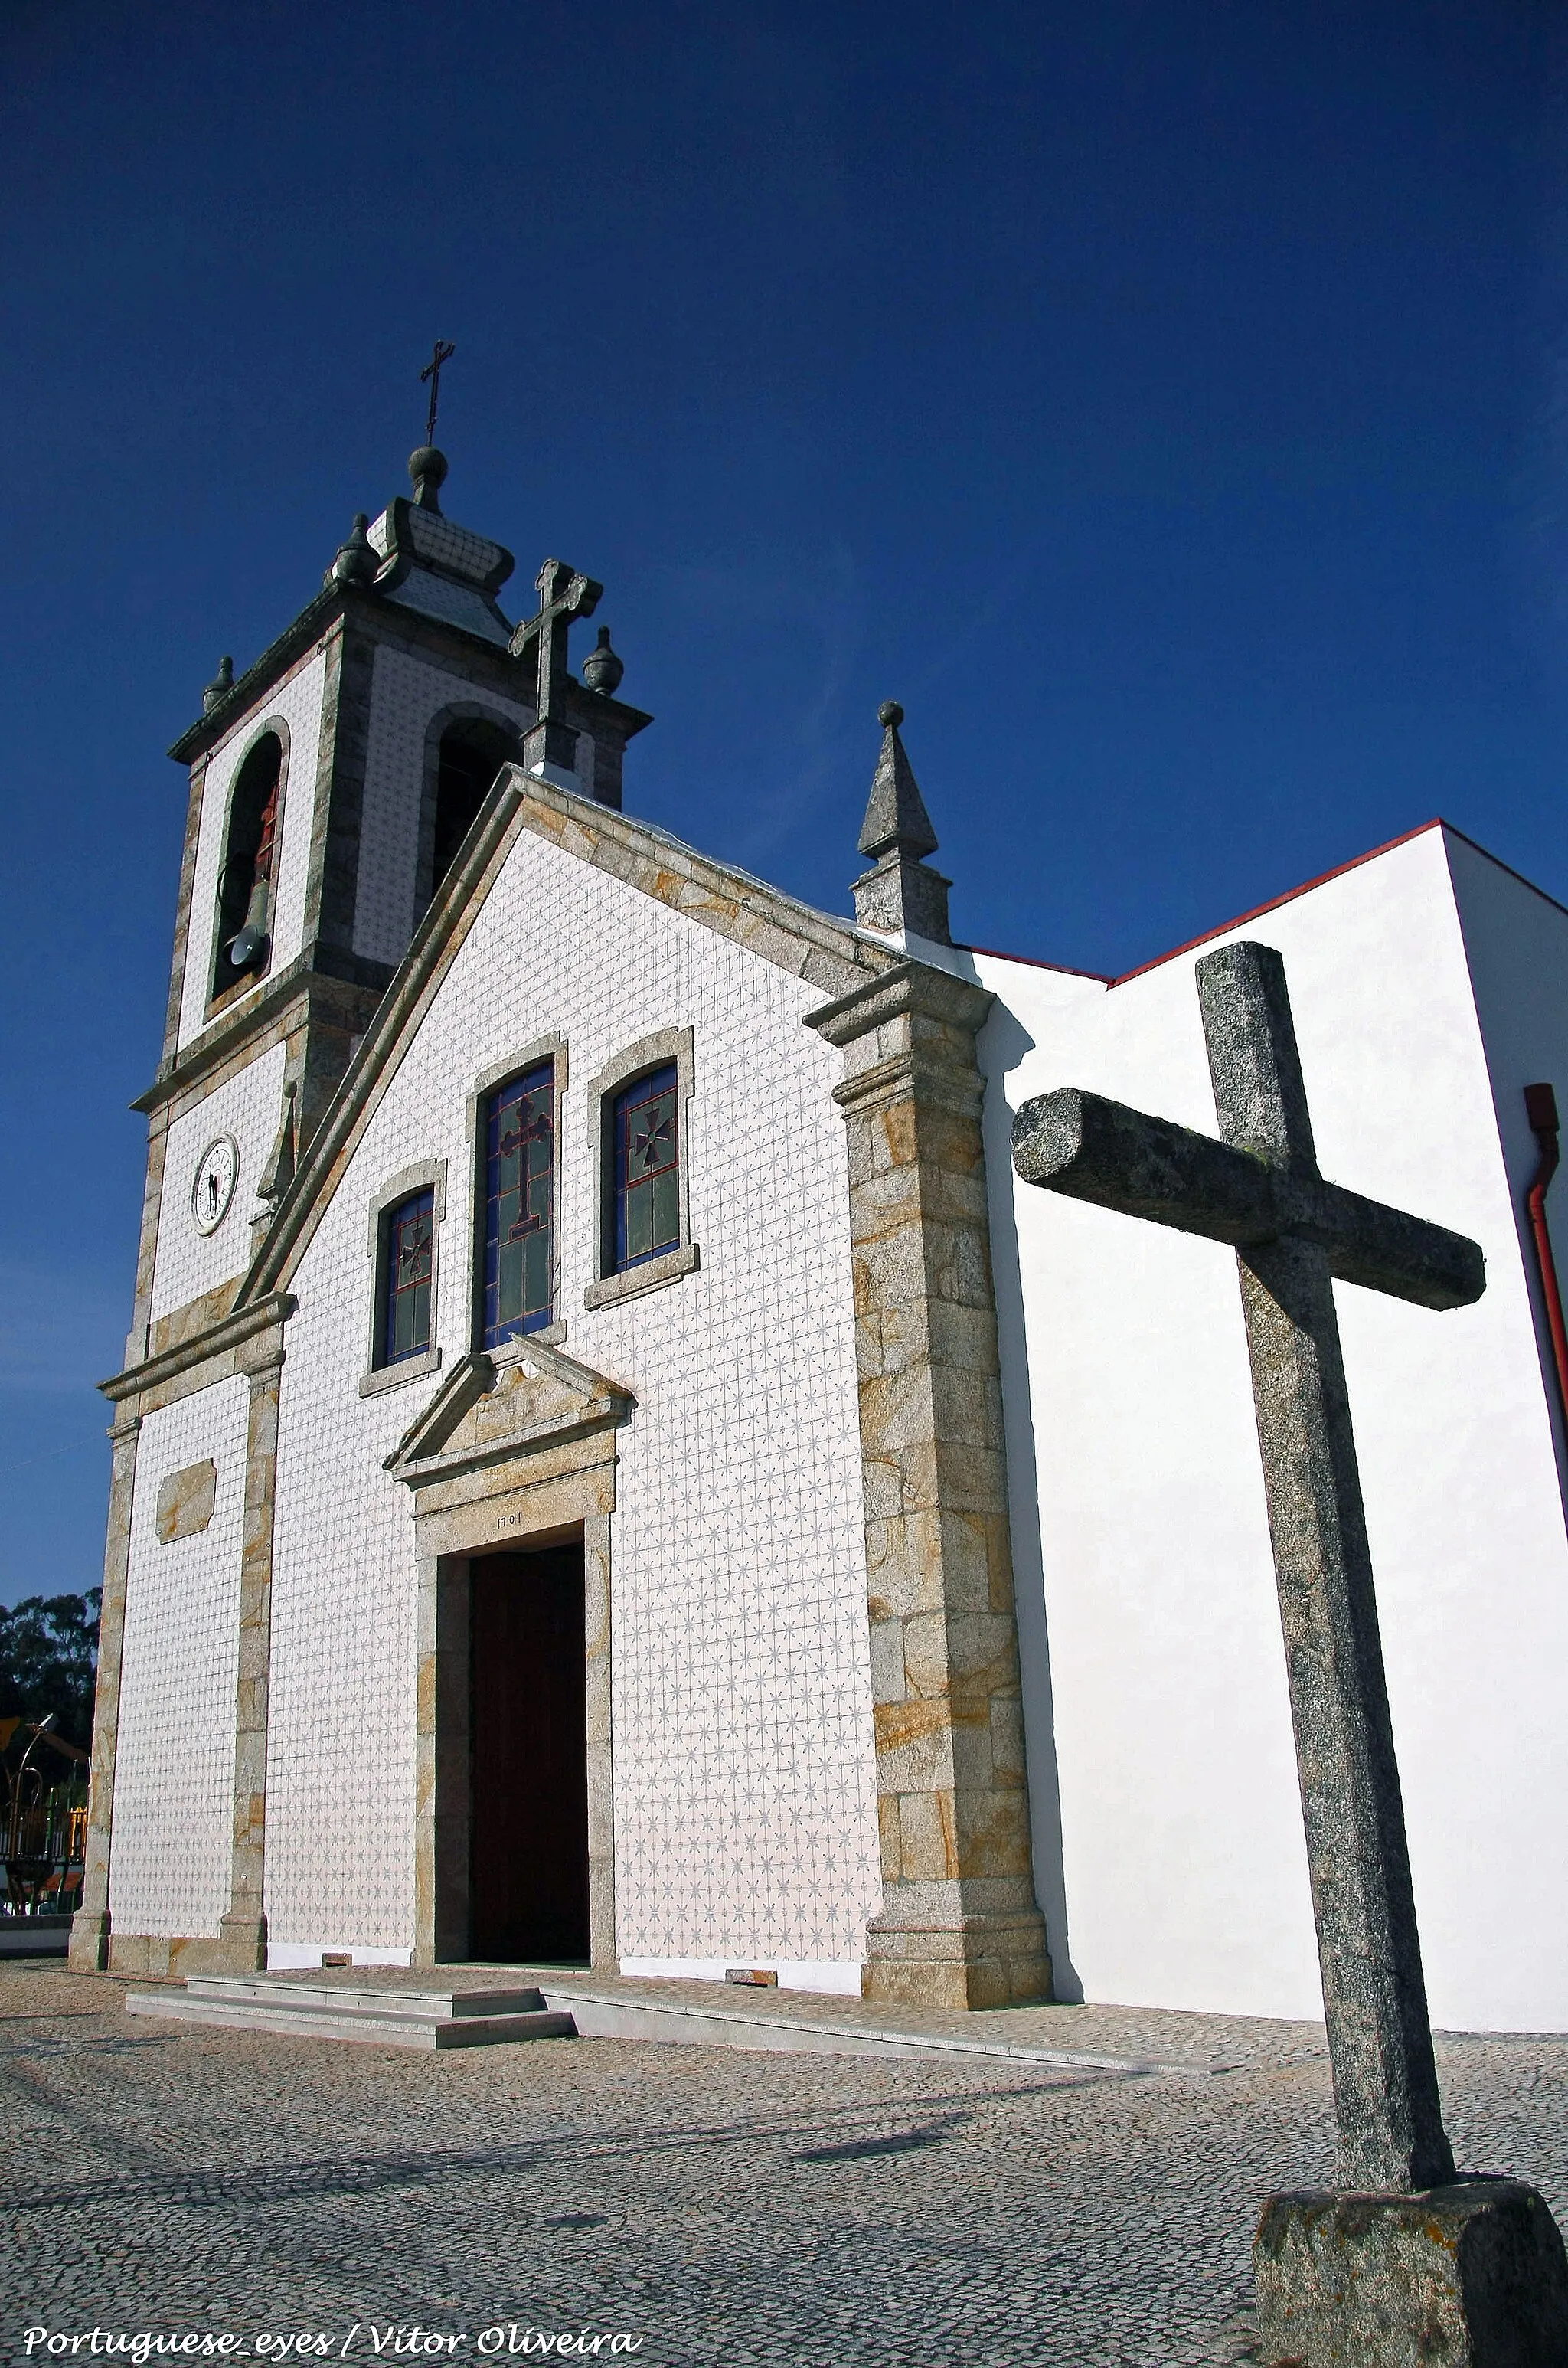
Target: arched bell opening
column 243, row 941
column 470, row 752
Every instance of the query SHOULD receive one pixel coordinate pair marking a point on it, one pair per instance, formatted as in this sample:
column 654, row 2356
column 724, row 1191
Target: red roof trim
column 1288, row 898
column 1337, row 871
column 1033, row 961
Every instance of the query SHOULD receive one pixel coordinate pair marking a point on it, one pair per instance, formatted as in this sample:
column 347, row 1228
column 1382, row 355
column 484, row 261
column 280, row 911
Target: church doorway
column 529, row 1816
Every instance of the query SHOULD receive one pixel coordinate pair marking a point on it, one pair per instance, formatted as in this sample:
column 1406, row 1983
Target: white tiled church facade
column 1168, row 1845
column 743, row 1771
column 175, row 1772
column 1429, row 987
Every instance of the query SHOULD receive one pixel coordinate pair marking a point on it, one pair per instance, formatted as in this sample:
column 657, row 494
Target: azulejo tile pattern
column 297, row 701
column 744, row 1777
column 406, row 694
column 174, row 1788
column 454, row 604
column 441, row 539
column 342, row 1712
column 248, row 1106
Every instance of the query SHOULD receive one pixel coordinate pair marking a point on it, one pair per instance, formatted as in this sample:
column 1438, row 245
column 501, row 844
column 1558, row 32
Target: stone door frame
column 504, row 1510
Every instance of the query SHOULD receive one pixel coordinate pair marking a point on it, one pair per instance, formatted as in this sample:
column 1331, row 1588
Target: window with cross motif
column 406, row 1271
column 519, row 1206
column 647, row 1167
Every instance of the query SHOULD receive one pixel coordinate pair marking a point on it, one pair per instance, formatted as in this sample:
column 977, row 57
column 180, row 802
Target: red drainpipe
column 1540, row 1108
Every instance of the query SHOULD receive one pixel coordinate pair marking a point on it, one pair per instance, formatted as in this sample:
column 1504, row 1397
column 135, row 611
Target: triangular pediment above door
column 520, row 1401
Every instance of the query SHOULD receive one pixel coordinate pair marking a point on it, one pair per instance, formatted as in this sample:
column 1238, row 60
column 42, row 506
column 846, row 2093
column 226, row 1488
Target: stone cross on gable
column 563, row 596
column 1259, row 1189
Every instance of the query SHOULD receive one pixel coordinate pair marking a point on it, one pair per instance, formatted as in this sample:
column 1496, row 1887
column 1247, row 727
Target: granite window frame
column 608, row 1287
column 550, row 1047
column 423, row 1176
column 219, row 997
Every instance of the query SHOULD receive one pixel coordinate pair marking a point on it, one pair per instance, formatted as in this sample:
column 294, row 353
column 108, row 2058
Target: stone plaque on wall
column 185, row 1500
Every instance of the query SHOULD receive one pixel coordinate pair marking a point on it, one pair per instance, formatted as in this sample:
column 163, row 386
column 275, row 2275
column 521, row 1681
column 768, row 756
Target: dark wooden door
column 529, row 1860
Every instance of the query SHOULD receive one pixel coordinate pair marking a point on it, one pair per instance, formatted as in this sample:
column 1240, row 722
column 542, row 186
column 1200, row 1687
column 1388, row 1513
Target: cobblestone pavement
column 722, row 2206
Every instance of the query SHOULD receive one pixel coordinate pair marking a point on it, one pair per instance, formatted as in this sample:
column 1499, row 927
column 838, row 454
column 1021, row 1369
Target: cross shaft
column 1258, row 1188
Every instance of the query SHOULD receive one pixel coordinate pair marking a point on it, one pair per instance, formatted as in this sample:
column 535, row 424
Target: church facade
column 612, row 1466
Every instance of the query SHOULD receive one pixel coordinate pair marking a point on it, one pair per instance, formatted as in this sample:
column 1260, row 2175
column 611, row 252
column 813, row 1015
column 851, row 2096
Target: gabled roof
column 825, row 952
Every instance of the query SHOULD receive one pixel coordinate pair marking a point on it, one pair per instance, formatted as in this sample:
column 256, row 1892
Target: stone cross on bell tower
column 563, row 596
column 440, row 355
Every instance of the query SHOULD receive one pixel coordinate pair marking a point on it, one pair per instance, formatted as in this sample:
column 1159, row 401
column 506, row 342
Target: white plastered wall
column 1167, row 1821
column 174, row 1787
column 406, row 694
column 248, row 1106
column 744, row 1777
column 298, row 699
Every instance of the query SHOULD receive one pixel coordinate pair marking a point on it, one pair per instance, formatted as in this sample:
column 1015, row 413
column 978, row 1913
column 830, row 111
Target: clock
column 213, row 1188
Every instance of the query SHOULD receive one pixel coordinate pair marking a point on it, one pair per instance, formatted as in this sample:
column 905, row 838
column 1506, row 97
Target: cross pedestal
column 1363, row 2275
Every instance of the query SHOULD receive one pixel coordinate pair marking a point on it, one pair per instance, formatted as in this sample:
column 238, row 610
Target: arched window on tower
column 244, row 885
column 472, row 752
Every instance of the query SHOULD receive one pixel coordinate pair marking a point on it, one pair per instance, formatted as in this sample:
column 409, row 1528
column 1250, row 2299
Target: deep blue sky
column 1168, row 402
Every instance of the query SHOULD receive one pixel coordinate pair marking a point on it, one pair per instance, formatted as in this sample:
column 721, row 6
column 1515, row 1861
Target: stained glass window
column 647, row 1168
column 519, row 1206
column 405, row 1327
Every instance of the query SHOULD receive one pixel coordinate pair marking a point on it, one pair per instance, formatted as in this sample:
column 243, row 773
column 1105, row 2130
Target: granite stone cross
column 563, row 596
column 1259, row 1189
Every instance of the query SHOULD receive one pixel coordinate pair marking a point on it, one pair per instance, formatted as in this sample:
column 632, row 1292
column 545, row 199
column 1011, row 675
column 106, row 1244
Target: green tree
column 48, row 1659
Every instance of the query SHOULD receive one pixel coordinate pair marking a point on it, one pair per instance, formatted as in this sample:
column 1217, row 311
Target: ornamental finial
column 428, row 470
column 602, row 670
column 901, row 894
column 356, row 562
column 895, row 812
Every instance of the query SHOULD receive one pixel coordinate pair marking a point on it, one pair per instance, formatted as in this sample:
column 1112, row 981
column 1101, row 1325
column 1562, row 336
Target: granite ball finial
column 220, row 687
column 602, row 670
column 357, row 561
column 427, row 468
column 896, row 824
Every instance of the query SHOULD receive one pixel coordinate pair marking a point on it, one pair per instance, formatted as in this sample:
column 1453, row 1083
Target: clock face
column 214, row 1187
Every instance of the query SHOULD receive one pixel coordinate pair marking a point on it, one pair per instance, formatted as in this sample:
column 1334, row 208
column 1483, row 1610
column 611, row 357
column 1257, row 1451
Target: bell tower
column 331, row 785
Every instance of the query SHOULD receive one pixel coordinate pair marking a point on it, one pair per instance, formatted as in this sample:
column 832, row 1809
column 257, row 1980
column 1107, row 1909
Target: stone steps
column 467, row 2006
column 382, row 2018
